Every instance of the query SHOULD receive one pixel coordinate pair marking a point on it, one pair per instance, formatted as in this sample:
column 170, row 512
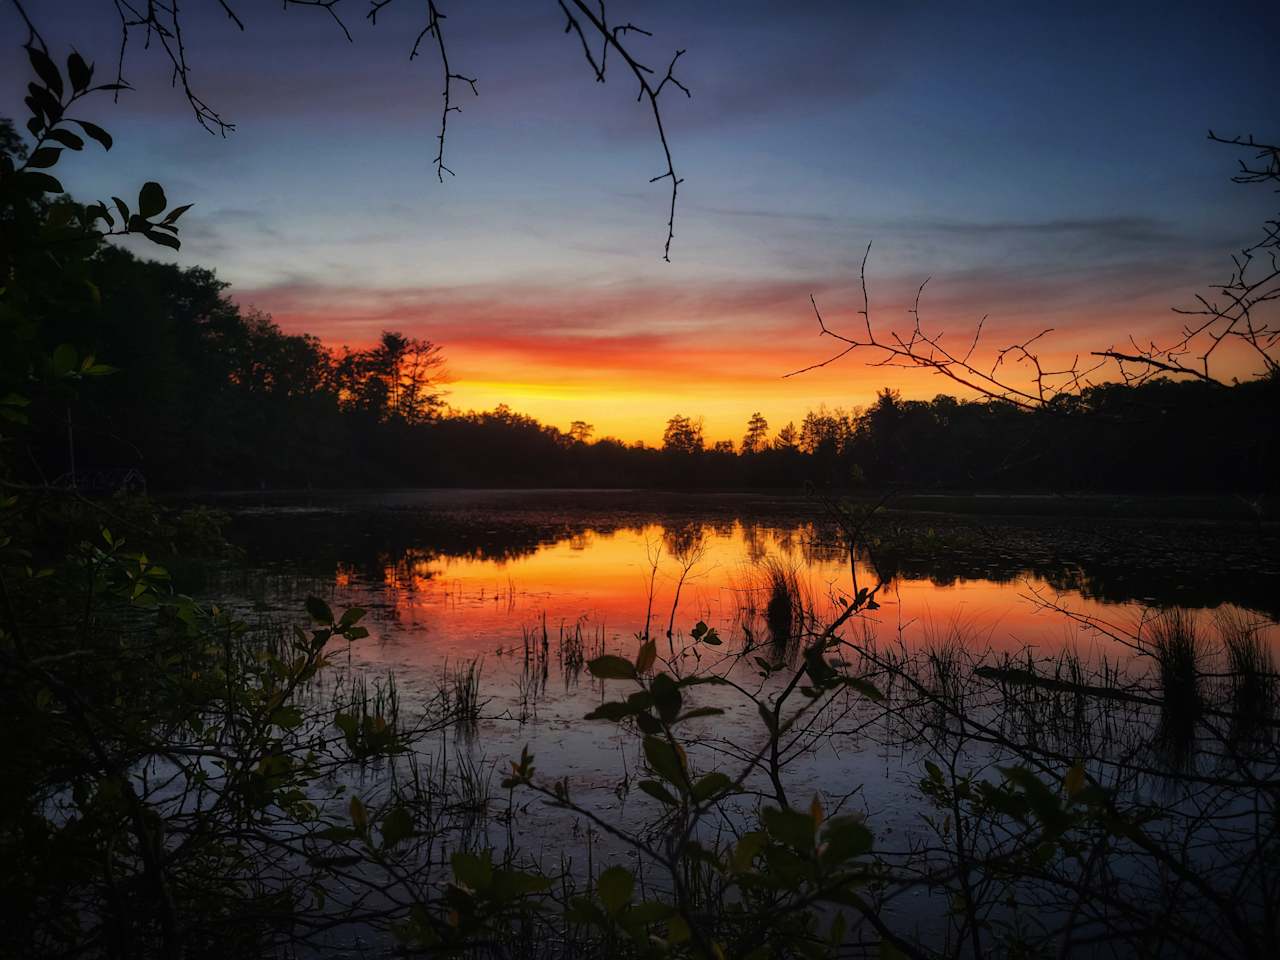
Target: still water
column 519, row 586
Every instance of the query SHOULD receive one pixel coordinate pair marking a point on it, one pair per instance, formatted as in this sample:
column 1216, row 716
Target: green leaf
column 609, row 667
column 749, row 846
column 614, row 888
column 790, row 827
column 678, row 930
column 151, row 199
column 656, row 790
column 65, row 359
column 359, row 815
column 711, row 785
column 844, row 838
column 396, row 826
column 1074, row 781
column 287, row 717
column 319, row 610
column 665, row 761
column 472, row 870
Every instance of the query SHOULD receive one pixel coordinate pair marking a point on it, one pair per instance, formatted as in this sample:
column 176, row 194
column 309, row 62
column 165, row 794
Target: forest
column 212, row 397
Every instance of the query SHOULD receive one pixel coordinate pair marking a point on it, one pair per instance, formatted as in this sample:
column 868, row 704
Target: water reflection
column 416, row 539
column 470, row 581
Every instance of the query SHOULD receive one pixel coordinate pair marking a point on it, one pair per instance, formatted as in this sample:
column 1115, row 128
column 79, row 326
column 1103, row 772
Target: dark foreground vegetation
column 180, row 781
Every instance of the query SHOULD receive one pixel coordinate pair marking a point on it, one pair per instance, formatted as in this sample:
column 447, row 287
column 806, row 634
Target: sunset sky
column 1046, row 168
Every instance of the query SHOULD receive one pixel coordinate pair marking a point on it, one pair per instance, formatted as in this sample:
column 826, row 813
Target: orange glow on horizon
column 627, row 360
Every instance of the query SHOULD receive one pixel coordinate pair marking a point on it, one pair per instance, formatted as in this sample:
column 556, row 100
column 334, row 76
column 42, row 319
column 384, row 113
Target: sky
column 1043, row 166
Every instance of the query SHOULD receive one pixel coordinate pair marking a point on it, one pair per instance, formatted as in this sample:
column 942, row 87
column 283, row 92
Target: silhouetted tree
column 683, row 435
column 756, row 438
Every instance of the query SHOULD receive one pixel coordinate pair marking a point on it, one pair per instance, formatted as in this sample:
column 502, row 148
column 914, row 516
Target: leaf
column 845, row 837
column 666, row 697
column 656, row 790
column 1074, row 781
column 151, row 199
column 164, row 239
column 46, row 70
column 396, row 826
column 864, row 687
column 96, row 132
column 665, row 761
column 609, row 667
column 711, row 785
column 472, row 870
column 41, row 182
column 647, row 656
column 287, row 717
column 614, row 710
column 614, row 888
column 749, row 846
column 359, row 815
column 123, row 208
column 64, row 359
column 767, row 716
column 67, row 139
column 79, row 72
column 351, row 616
column 700, row 712
column 790, row 827
column 173, row 215
column 678, row 930
column 319, row 610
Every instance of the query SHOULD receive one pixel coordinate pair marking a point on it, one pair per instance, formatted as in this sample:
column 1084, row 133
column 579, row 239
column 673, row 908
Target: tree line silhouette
column 216, row 396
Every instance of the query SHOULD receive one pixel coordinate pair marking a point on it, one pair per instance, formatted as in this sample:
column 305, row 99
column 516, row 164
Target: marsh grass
column 784, row 609
column 1174, row 640
column 459, row 689
column 1251, row 672
column 774, row 608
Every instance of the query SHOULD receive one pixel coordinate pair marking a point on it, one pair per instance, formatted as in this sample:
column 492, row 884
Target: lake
column 506, row 594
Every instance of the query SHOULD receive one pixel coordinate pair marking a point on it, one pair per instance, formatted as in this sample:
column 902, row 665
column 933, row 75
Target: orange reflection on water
column 600, row 583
